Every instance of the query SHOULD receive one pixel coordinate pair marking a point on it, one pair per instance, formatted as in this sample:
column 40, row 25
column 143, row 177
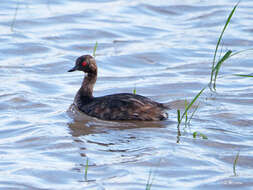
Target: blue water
column 164, row 49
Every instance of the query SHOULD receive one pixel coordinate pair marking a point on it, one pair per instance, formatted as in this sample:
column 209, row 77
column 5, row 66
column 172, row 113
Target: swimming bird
column 123, row 106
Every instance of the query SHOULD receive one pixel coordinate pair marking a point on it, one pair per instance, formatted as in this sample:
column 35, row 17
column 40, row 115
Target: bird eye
column 84, row 63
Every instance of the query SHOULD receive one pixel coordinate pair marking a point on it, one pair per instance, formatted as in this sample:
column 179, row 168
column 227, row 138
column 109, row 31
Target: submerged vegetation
column 15, row 16
column 134, row 90
column 235, row 162
column 195, row 134
column 150, row 181
column 239, row 75
column 187, row 107
column 86, row 170
column 95, row 49
column 216, row 65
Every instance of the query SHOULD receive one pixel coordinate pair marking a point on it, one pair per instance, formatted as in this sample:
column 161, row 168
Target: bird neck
column 89, row 81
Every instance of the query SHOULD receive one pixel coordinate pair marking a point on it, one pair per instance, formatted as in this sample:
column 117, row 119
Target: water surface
column 164, row 49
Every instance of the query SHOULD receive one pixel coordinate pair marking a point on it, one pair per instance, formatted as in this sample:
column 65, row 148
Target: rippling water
column 164, row 49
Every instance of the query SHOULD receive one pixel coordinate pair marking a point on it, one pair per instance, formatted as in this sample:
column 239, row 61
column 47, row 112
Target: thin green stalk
column 150, row 181
column 218, row 66
column 221, row 51
column 239, row 52
column 86, row 170
column 94, row 50
column 152, row 173
column 219, row 40
column 189, row 106
column 203, row 136
column 239, row 75
column 15, row 15
column 178, row 125
column 192, row 102
column 195, row 134
column 228, row 54
column 235, row 162
column 186, row 116
column 193, row 113
column 134, row 90
column 178, row 117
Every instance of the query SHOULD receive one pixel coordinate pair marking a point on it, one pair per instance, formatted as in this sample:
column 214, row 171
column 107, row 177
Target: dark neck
column 86, row 90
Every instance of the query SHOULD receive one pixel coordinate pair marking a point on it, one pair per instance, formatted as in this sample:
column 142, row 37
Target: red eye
column 84, row 63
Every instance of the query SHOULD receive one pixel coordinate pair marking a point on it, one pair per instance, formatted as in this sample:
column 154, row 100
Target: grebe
column 123, row 106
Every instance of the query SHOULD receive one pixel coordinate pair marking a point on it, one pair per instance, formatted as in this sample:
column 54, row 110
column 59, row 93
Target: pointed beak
column 73, row 69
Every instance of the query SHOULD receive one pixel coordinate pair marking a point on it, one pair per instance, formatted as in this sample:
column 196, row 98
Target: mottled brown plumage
column 124, row 106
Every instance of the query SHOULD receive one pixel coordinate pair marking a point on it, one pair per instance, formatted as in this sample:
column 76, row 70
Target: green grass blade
column 95, row 49
column 235, row 162
column 203, row 136
column 193, row 113
column 186, row 115
column 86, row 170
column 178, row 117
column 239, row 52
column 149, row 182
column 239, row 75
column 190, row 105
column 221, row 51
column 15, row 16
column 224, row 58
column 218, row 66
column 194, row 134
column 134, row 91
column 219, row 40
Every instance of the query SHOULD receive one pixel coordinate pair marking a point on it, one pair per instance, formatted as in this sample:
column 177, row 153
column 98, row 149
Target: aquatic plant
column 195, row 134
column 95, row 49
column 213, row 77
column 134, row 90
column 240, row 75
column 186, row 115
column 193, row 113
column 150, row 181
column 86, row 170
column 216, row 66
column 15, row 16
column 180, row 118
column 228, row 54
column 235, row 162
column 187, row 118
column 151, row 176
